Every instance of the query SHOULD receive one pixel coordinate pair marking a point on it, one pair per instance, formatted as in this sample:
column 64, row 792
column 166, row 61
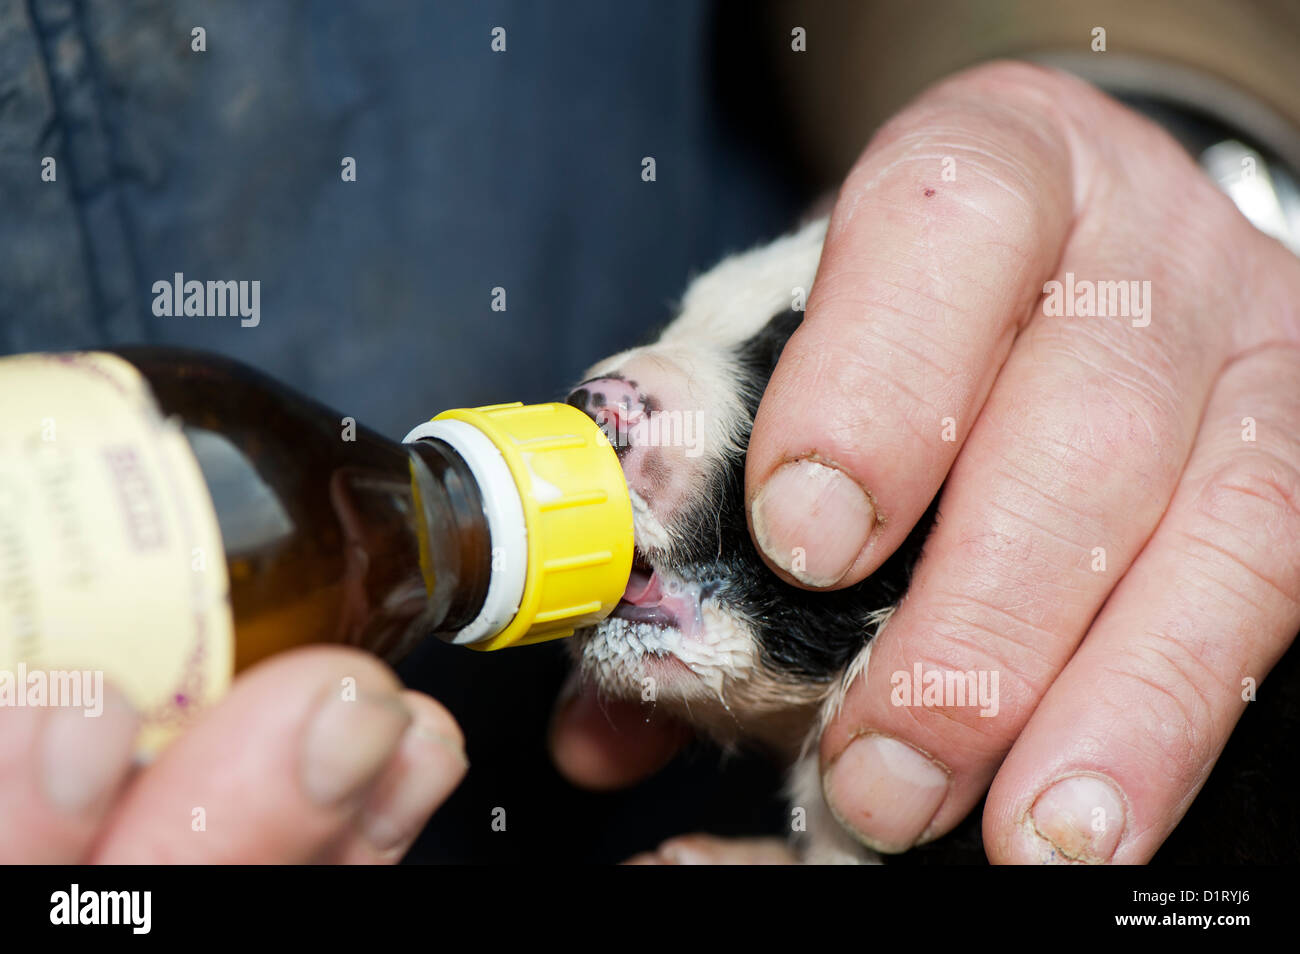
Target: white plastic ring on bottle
column 507, row 530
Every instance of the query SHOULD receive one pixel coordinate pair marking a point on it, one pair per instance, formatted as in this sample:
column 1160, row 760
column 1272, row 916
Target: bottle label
column 111, row 563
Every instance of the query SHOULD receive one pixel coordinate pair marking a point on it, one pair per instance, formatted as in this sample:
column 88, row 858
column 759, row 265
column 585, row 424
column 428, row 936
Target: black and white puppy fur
column 716, row 638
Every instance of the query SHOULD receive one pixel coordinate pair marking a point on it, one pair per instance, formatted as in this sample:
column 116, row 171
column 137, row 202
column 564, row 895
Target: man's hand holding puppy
column 1116, row 540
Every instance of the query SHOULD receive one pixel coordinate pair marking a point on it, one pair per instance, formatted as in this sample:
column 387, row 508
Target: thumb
column 936, row 252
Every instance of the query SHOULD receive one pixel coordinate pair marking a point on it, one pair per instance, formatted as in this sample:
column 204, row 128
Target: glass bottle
column 169, row 518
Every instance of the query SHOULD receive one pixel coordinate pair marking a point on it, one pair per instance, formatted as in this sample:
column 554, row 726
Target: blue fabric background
column 475, row 169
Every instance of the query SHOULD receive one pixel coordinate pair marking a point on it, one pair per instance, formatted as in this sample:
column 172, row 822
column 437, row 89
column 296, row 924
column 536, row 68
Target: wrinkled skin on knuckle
column 1248, row 512
column 1061, row 109
column 979, row 738
column 1002, row 595
column 1000, row 157
column 1089, row 442
column 1163, row 717
column 1004, row 563
column 998, row 122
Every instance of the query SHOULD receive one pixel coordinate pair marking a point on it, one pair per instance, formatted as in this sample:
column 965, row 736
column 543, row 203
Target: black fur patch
column 806, row 634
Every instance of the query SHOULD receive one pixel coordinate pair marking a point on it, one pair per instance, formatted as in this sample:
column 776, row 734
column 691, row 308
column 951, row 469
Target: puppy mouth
column 661, row 599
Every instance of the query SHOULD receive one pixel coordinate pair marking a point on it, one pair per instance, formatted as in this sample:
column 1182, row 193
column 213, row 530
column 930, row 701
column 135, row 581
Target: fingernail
column 812, row 521
column 348, row 743
column 434, row 763
column 885, row 792
column 1081, row 818
column 86, row 757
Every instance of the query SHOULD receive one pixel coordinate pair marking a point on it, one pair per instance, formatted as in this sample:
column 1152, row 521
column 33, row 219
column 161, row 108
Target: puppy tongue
column 642, row 587
column 646, row 600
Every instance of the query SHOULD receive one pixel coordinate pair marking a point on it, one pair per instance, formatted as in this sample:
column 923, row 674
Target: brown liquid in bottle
column 362, row 541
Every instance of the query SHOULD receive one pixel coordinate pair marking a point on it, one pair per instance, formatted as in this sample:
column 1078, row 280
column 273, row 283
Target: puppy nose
column 612, row 403
column 611, row 393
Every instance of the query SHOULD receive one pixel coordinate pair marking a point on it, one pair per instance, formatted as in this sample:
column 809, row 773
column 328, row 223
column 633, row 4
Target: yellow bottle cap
column 561, row 535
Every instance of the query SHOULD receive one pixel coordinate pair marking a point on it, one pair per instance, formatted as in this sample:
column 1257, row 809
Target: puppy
column 705, row 629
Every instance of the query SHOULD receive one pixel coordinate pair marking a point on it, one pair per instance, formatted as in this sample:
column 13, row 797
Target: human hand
column 1103, row 478
column 1089, row 461
column 282, row 770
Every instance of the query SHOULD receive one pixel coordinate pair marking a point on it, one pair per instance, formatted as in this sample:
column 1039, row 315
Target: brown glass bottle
column 322, row 519
column 169, row 518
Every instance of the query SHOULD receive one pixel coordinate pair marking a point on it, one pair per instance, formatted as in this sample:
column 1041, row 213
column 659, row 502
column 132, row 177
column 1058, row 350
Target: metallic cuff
column 1265, row 191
